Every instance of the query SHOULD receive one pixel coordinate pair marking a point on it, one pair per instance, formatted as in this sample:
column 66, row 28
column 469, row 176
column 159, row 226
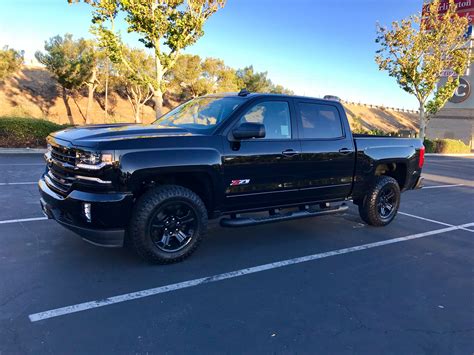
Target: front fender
column 137, row 166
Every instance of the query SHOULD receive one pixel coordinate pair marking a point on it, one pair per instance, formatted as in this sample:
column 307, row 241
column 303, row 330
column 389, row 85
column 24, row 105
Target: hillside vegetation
column 33, row 92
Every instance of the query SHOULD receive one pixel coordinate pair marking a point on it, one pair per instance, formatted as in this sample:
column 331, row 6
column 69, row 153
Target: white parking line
column 23, row 220
column 439, row 161
column 441, row 186
column 432, row 221
column 228, row 275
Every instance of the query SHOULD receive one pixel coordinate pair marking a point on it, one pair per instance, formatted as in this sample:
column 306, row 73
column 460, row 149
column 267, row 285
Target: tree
column 11, row 61
column 186, row 77
column 105, row 79
column 418, row 49
column 164, row 26
column 72, row 64
column 133, row 84
column 258, row 82
column 192, row 76
column 220, row 77
column 92, row 80
column 253, row 81
column 279, row 89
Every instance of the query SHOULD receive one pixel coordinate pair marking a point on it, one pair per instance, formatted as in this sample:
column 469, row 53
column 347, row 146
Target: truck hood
column 93, row 134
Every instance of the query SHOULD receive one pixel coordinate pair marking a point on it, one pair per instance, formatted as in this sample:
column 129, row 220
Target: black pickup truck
column 155, row 186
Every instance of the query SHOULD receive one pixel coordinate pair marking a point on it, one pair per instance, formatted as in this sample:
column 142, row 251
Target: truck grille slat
column 58, row 177
column 64, row 155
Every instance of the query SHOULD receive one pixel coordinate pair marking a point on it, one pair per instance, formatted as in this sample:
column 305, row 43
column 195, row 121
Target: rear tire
column 167, row 225
column 380, row 205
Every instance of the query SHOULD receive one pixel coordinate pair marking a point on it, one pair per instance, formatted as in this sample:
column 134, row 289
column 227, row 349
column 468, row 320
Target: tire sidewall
column 395, row 188
column 369, row 210
column 146, row 208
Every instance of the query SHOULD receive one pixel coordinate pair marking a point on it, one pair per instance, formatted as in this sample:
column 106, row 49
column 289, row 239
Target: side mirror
column 249, row 130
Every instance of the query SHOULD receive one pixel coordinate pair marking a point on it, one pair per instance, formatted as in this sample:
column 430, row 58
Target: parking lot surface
column 402, row 289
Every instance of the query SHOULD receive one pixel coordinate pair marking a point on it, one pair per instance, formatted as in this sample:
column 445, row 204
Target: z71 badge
column 239, row 182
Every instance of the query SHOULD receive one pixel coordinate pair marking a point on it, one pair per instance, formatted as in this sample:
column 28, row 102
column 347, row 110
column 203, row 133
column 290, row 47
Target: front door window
column 274, row 115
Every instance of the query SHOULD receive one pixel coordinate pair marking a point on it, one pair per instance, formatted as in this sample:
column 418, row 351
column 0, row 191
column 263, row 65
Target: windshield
column 201, row 114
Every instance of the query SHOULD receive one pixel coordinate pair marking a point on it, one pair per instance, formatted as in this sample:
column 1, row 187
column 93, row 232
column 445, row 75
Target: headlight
column 93, row 160
column 49, row 147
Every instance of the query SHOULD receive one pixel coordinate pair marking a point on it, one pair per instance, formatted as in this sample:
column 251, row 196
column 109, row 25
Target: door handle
column 290, row 153
column 345, row 151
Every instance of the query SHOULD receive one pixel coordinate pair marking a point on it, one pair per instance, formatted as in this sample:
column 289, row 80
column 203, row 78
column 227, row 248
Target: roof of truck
column 251, row 95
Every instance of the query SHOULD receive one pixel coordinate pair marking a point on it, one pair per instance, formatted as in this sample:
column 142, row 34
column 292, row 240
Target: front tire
column 380, row 206
column 168, row 224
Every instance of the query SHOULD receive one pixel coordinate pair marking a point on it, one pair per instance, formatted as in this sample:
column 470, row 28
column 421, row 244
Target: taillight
column 422, row 157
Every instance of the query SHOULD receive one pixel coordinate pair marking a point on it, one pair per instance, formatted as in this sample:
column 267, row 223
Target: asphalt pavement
column 321, row 285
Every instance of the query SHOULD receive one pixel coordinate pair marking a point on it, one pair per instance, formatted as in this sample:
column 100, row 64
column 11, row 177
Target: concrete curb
column 22, row 150
column 449, row 155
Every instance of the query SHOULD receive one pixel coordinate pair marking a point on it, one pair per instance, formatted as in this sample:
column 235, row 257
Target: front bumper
column 110, row 214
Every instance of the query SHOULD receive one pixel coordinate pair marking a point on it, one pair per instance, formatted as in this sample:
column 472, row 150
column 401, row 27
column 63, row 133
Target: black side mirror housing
column 248, row 130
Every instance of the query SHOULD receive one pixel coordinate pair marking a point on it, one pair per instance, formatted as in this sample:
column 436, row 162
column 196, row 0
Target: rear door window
column 319, row 121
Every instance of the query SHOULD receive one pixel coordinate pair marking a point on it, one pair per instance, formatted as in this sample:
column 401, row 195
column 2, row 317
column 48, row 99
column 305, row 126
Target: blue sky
column 314, row 47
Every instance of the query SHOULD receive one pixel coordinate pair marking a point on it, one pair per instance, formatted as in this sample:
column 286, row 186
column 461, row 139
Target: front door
column 263, row 171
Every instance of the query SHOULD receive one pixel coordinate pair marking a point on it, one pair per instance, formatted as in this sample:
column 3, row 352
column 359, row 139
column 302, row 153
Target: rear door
column 327, row 150
column 264, row 171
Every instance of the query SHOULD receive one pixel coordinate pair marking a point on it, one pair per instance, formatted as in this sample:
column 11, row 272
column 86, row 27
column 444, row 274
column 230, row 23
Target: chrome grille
column 64, row 154
column 60, row 175
column 60, row 182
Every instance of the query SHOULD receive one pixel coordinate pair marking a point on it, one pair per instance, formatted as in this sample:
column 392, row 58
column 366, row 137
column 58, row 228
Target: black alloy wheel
column 173, row 226
column 387, row 201
column 167, row 225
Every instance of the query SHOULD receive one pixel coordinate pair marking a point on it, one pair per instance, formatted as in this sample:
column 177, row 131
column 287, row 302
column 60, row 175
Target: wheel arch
column 201, row 182
column 396, row 170
column 197, row 169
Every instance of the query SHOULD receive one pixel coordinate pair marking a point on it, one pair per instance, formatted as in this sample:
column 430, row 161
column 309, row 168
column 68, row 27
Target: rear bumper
column 110, row 214
column 419, row 183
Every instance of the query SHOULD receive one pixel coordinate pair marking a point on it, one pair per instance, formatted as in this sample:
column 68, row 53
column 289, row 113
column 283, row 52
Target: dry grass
column 34, row 93
column 382, row 119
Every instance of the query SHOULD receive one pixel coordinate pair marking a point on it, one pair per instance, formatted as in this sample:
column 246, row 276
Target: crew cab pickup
column 155, row 186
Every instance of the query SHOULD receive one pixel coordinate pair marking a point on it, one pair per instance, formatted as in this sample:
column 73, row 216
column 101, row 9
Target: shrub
column 451, row 146
column 356, row 126
column 16, row 132
column 376, row 132
column 447, row 146
column 430, row 145
column 379, row 132
column 10, row 62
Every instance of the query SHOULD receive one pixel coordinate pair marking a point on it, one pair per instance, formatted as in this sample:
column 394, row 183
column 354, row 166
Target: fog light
column 87, row 211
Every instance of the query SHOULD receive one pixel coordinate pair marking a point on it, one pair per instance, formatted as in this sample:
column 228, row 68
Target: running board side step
column 252, row 221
